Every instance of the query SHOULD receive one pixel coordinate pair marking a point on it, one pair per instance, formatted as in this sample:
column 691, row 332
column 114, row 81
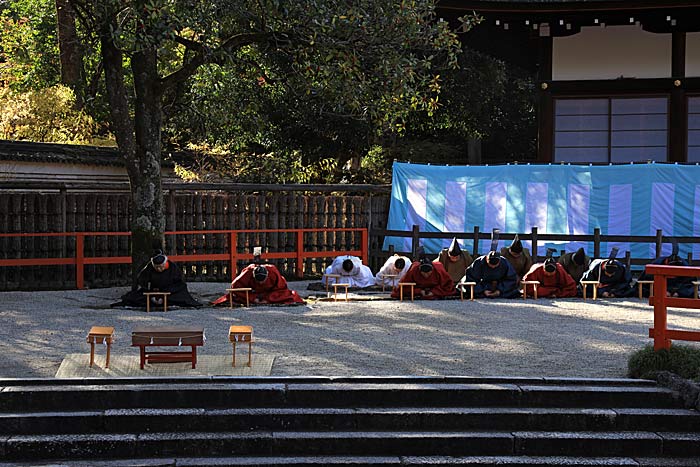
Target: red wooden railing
column 231, row 256
column 663, row 336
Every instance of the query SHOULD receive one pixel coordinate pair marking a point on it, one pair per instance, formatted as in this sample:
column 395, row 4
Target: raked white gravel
column 562, row 337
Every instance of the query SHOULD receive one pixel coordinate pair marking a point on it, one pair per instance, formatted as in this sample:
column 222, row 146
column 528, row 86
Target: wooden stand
column 534, row 285
column 239, row 289
column 405, row 284
column 330, row 276
column 393, row 280
column 156, row 294
column 640, row 285
column 100, row 335
column 462, row 285
column 243, row 334
column 585, row 285
column 335, row 291
column 144, row 337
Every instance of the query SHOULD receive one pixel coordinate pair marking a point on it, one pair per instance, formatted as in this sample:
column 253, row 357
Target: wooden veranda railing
column 230, row 254
column 663, row 336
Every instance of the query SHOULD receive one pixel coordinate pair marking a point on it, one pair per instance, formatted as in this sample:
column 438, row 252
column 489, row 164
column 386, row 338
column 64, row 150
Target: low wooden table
column 156, row 294
column 241, row 334
column 100, row 335
column 534, row 285
column 335, row 291
column 405, row 284
column 330, row 276
column 640, row 285
column 462, row 285
column 168, row 336
column 585, row 285
column 393, row 280
column 238, row 289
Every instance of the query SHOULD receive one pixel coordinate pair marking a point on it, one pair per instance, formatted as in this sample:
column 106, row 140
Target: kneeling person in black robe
column 612, row 276
column 160, row 275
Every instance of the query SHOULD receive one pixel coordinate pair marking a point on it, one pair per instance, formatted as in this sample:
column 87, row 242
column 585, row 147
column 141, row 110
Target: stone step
column 366, row 461
column 351, row 419
column 296, row 444
column 251, row 380
column 210, row 395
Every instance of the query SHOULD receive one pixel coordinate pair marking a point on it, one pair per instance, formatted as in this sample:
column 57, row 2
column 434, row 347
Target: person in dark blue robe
column 675, row 286
column 494, row 277
column 612, row 276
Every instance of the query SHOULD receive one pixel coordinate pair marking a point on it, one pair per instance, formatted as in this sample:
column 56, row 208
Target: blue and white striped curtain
column 557, row 199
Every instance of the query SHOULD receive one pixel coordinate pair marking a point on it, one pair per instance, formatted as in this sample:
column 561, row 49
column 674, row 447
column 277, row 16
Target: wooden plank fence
column 66, row 211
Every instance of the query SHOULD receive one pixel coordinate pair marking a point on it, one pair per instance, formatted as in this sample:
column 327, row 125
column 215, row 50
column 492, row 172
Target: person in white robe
column 352, row 271
column 396, row 265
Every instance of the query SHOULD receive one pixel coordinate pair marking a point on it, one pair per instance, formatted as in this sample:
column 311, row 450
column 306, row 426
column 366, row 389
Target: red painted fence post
column 300, row 250
column 79, row 260
column 233, row 246
column 660, row 318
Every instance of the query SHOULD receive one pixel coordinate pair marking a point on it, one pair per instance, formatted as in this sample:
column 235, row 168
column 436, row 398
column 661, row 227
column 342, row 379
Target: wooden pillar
column 545, row 107
column 678, row 107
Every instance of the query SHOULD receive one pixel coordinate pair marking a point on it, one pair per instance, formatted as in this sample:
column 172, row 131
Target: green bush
column 682, row 360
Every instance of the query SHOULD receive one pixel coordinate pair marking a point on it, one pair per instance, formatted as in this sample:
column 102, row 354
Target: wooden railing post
column 79, row 260
column 660, row 322
column 534, row 244
column 596, row 242
column 415, row 241
column 659, row 242
column 232, row 254
column 364, row 246
column 475, row 253
column 300, row 250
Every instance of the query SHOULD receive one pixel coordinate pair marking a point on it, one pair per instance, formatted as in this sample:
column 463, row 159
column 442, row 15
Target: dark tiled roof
column 26, row 151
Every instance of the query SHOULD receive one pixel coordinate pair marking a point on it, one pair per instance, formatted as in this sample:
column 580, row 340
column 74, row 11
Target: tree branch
column 202, row 57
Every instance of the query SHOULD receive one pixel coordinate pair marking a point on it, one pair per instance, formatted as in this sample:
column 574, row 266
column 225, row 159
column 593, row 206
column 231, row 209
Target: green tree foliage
column 28, row 45
column 365, row 60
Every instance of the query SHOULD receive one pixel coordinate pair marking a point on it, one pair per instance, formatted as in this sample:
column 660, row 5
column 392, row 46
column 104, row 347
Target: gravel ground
column 367, row 336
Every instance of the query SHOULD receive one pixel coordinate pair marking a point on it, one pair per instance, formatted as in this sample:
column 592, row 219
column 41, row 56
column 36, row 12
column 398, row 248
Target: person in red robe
column 431, row 279
column 269, row 286
column 554, row 281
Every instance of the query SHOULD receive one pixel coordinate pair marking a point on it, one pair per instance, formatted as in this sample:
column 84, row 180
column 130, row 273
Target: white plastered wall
column 692, row 54
column 611, row 52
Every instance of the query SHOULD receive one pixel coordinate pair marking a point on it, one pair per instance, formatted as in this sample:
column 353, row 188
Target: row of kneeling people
column 500, row 273
column 496, row 274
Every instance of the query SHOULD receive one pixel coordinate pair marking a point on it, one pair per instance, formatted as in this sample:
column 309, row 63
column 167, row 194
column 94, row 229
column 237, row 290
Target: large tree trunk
column 148, row 223
column 70, row 51
column 139, row 140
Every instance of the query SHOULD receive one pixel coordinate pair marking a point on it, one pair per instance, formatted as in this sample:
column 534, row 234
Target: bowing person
column 554, row 281
column 431, row 279
column 454, row 260
column 612, row 276
column 159, row 275
column 493, row 274
column 267, row 284
column 518, row 257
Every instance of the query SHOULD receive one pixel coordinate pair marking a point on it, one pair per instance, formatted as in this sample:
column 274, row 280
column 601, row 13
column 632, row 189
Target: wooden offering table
column 153, row 336
column 156, row 295
column 100, row 335
column 241, row 334
column 534, row 285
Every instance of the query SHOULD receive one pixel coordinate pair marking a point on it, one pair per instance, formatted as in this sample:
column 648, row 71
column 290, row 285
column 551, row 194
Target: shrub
column 682, row 360
column 47, row 115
